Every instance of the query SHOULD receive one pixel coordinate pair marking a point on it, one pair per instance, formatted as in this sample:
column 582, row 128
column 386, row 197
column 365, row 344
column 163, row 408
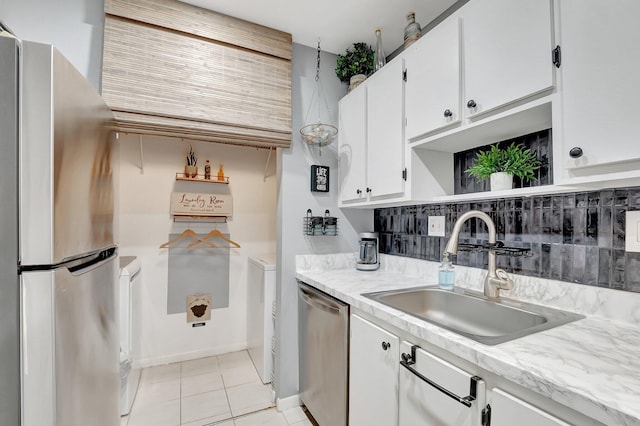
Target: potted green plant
column 355, row 65
column 191, row 170
column 501, row 165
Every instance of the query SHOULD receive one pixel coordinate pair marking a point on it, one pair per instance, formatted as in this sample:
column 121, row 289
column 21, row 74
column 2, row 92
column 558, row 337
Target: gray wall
column 295, row 197
column 75, row 27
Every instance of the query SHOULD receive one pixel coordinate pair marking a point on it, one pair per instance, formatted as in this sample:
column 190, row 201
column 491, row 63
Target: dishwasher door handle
column 319, row 301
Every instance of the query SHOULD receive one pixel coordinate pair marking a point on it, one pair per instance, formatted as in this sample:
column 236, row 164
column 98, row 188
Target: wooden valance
column 174, row 69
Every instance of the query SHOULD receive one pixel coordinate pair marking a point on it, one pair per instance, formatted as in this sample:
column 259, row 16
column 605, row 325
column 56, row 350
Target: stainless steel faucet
column 497, row 279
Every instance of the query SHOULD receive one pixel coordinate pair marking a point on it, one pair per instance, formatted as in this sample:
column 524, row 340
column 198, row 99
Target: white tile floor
column 221, row 390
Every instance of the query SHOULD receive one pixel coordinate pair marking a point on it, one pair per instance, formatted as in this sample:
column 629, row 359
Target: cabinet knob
column 575, row 152
column 368, row 190
column 448, row 113
column 386, row 345
column 358, row 192
column 471, row 103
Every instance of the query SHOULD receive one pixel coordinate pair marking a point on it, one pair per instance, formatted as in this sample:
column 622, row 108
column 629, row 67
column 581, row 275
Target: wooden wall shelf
column 200, row 178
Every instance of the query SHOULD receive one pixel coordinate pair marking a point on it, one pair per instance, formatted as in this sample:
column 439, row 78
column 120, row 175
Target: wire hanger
column 189, row 233
column 213, row 233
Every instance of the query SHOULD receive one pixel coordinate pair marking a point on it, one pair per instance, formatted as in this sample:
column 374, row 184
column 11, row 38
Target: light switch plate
column 632, row 231
column 436, row 226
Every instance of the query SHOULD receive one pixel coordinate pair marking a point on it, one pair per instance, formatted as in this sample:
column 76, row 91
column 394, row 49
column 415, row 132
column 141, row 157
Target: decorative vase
column 190, row 171
column 379, row 60
column 412, row 31
column 501, row 181
column 356, row 80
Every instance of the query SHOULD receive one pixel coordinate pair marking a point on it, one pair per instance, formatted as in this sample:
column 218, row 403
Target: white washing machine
column 261, row 296
column 130, row 298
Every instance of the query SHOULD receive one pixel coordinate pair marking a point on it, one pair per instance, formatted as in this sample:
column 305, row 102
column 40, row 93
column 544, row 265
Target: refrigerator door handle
column 76, row 266
column 92, row 262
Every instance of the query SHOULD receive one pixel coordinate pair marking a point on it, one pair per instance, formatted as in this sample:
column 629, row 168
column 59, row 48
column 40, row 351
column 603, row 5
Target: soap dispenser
column 446, row 274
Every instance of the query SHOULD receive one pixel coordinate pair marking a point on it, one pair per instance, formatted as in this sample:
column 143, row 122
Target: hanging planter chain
column 319, row 133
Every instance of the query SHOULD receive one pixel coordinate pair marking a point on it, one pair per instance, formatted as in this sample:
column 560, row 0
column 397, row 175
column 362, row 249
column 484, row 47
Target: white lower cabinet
column 507, row 410
column 373, row 375
column 394, row 382
column 434, row 392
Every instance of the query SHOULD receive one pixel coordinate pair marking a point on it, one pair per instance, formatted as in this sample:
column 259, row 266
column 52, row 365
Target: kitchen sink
column 473, row 315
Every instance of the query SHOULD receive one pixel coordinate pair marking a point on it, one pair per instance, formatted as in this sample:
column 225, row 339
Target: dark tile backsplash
column 576, row 237
column 538, row 142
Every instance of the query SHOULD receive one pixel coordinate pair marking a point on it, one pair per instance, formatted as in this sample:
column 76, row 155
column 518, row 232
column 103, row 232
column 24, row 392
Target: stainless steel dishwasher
column 324, row 355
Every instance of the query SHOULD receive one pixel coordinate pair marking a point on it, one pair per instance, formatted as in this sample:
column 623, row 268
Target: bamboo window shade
column 173, row 69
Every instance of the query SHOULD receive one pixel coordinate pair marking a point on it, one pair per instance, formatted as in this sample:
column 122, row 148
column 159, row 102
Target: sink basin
column 473, row 315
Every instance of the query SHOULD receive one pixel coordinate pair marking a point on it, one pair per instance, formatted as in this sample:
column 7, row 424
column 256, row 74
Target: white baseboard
column 186, row 356
column 288, row 403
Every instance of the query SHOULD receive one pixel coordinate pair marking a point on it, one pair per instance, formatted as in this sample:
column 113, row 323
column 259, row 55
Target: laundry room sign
column 195, row 204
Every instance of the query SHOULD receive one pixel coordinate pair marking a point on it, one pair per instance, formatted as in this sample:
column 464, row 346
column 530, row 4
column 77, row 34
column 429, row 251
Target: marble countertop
column 591, row 365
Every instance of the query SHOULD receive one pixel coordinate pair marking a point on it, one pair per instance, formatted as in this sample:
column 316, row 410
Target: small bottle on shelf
column 207, row 170
column 446, row 274
column 221, row 172
column 412, row 31
column 379, row 60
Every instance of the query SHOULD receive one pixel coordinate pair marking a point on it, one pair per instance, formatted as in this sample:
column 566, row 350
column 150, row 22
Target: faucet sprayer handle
column 506, row 283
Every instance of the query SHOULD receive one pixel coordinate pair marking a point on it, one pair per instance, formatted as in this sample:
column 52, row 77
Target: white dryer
column 130, row 299
column 261, row 296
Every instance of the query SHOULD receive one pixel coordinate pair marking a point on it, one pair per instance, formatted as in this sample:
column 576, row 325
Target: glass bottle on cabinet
column 379, row 59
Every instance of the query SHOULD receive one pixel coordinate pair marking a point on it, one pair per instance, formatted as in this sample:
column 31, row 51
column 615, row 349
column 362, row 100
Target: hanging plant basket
column 319, row 134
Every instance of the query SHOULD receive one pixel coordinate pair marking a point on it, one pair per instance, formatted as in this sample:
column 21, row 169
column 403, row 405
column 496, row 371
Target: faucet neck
column 493, row 283
column 452, row 244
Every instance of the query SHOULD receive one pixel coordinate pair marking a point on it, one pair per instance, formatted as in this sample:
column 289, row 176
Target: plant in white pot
column 501, row 165
column 355, row 65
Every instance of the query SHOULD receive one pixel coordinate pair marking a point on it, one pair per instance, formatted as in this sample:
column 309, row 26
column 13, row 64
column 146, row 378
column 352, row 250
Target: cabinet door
column 507, row 51
column 373, row 375
column 385, row 136
column 352, row 145
column 600, row 69
column 507, row 410
column 423, row 404
column 432, row 89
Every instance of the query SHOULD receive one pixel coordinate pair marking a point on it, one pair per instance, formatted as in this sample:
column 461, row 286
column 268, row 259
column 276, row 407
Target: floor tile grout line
column 181, row 371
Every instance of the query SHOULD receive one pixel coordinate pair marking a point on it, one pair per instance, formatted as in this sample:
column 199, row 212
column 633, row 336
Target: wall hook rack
column 320, row 225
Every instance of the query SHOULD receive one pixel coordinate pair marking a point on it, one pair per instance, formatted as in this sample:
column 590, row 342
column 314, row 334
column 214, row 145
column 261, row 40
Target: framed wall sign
column 319, row 178
column 194, row 204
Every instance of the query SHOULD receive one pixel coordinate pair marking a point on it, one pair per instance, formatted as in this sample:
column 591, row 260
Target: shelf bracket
column 141, row 155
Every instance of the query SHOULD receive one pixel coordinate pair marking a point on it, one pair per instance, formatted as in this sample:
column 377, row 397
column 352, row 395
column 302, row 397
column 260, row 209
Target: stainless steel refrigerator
column 59, row 350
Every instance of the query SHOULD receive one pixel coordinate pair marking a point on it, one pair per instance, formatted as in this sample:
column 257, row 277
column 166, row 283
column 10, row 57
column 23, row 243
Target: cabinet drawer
column 442, row 396
column 507, row 410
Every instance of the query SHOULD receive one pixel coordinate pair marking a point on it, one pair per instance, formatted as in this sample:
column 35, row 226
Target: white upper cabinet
column 352, row 145
column 385, row 136
column 507, row 52
column 432, row 89
column 600, row 87
column 372, row 139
